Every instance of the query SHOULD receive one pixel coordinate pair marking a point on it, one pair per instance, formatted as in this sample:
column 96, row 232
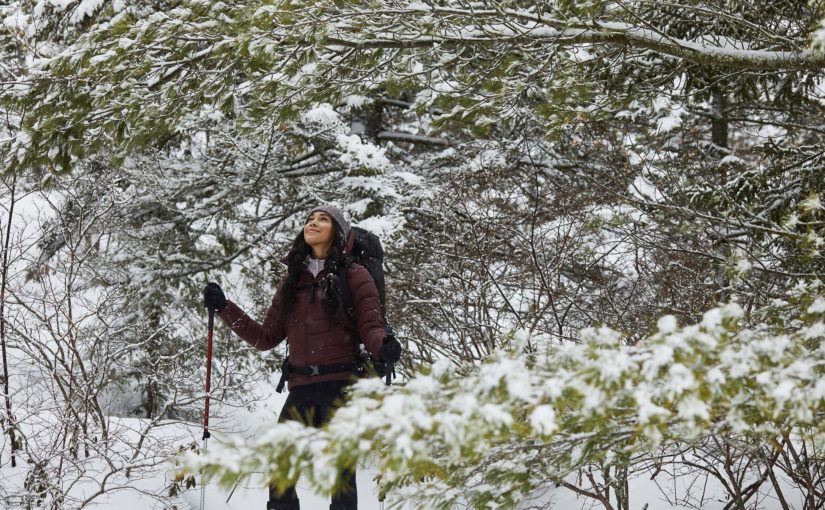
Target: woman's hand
column 213, row 298
column 390, row 349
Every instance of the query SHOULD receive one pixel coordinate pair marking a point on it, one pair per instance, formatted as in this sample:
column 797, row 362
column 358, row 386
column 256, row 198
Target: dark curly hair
column 297, row 261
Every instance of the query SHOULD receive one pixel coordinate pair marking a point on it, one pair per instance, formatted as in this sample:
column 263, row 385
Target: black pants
column 313, row 405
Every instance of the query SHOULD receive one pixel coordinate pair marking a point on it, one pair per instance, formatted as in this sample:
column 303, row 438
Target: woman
column 321, row 338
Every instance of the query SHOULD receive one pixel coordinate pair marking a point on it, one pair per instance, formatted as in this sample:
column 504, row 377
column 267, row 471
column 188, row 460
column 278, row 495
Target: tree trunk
column 3, row 281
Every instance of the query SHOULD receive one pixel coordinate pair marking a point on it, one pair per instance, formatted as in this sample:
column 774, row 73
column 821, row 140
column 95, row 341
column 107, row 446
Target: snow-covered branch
column 566, row 33
column 469, row 434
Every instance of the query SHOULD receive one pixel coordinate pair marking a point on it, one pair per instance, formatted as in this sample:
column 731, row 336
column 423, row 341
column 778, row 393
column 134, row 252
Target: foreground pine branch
column 493, row 433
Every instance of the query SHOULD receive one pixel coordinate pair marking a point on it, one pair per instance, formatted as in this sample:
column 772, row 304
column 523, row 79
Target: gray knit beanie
column 337, row 215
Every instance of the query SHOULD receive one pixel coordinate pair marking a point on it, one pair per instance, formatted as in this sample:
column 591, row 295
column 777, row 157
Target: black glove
column 390, row 350
column 213, row 297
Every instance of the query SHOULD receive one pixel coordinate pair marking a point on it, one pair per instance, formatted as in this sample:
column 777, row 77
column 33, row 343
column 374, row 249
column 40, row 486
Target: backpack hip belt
column 312, row 371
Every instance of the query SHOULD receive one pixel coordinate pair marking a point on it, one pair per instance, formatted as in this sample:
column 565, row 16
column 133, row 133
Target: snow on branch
column 536, row 28
column 125, row 84
column 488, row 435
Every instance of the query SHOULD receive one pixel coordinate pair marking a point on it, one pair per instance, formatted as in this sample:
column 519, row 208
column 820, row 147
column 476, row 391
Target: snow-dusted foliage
column 264, row 60
column 539, row 167
column 487, row 436
column 639, row 149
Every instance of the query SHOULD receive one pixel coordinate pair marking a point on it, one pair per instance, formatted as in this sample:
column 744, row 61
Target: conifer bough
column 490, row 435
column 130, row 80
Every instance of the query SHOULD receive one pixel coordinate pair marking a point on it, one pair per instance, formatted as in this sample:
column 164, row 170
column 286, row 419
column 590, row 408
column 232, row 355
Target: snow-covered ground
column 251, row 493
column 148, row 488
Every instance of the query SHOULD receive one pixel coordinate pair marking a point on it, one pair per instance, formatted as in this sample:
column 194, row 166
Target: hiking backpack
column 367, row 252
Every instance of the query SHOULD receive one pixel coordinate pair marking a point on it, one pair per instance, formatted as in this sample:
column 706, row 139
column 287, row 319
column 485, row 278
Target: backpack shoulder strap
column 361, row 355
column 346, row 293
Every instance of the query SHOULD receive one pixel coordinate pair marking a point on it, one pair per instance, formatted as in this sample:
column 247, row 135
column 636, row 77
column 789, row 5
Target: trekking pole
column 206, row 435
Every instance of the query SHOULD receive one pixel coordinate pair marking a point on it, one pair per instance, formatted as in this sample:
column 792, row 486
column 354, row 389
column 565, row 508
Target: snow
column 383, row 226
column 645, row 407
column 543, row 420
column 669, row 123
column 146, row 485
column 85, row 8
column 671, row 114
column 614, row 365
column 667, row 324
column 359, row 154
column 418, row 6
column 356, row 101
column 97, row 59
column 743, row 266
column 818, row 306
column 725, row 52
column 692, row 407
column 811, row 203
column 17, row 21
column 251, row 493
column 645, row 190
column 322, row 114
column 792, row 221
column 713, row 319
column 816, row 330
column 229, row 426
column 680, row 380
column 818, row 37
column 730, row 159
column 815, row 240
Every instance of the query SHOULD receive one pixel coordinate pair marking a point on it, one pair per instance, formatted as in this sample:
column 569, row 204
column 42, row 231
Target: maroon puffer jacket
column 312, row 340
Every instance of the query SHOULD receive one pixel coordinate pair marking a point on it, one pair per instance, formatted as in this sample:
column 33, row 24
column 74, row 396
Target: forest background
column 620, row 197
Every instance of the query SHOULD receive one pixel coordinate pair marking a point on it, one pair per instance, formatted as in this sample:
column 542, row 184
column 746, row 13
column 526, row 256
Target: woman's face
column 318, row 233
